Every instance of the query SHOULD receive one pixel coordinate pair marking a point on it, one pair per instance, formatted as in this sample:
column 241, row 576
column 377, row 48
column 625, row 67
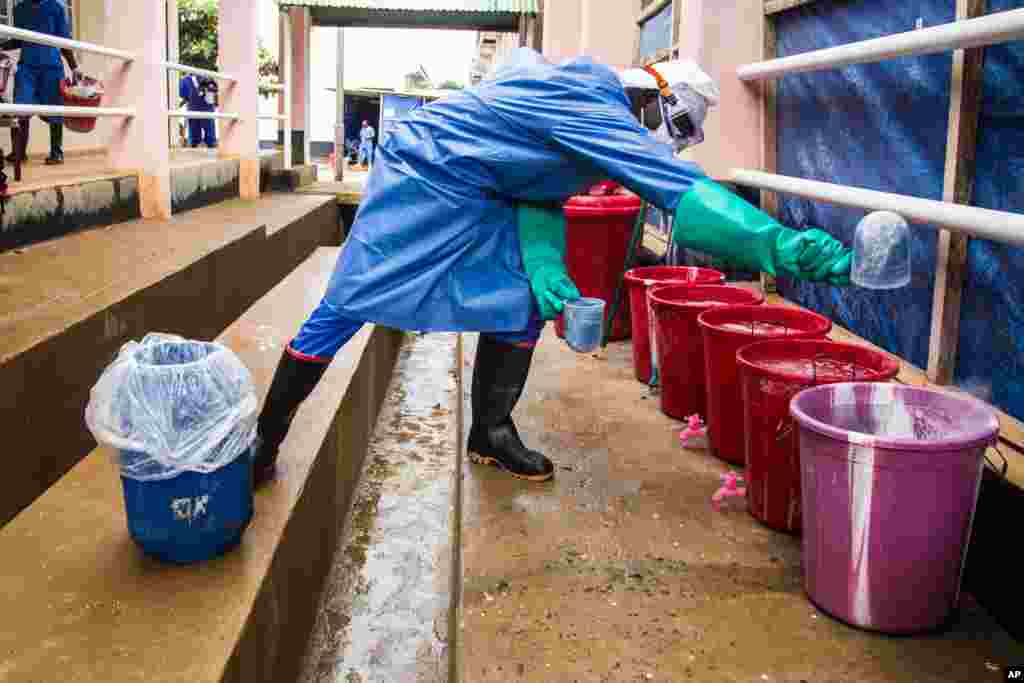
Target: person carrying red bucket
column 40, row 71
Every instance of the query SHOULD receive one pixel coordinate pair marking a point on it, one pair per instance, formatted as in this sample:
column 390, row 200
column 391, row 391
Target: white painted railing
column 992, row 29
column 998, row 226
column 46, row 110
column 11, row 33
column 136, row 102
column 183, row 68
column 215, row 115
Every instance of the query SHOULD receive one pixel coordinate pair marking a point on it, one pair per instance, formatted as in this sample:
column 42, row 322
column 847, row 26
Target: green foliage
column 451, row 85
column 197, row 31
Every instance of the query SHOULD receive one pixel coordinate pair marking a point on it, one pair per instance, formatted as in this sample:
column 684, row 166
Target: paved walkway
column 620, row 570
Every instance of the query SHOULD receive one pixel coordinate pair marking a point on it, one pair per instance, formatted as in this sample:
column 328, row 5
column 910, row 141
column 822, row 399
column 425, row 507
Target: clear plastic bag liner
column 169, row 405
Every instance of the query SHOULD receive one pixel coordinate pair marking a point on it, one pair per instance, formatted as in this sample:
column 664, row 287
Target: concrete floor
column 620, row 570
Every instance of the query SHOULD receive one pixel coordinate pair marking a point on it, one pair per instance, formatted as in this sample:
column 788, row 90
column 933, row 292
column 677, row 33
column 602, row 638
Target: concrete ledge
column 42, row 214
column 282, row 180
column 68, row 305
column 203, row 183
column 91, row 607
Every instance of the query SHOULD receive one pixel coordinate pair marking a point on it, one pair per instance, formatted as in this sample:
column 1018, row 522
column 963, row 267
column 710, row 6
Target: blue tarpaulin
column 883, row 127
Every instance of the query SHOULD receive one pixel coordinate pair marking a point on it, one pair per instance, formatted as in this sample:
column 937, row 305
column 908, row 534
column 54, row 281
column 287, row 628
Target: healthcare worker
column 461, row 229
column 40, row 70
column 366, row 136
column 200, row 94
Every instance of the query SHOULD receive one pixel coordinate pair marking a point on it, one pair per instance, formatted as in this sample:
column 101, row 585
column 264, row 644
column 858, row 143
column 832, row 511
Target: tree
column 197, row 33
column 198, row 42
column 451, row 85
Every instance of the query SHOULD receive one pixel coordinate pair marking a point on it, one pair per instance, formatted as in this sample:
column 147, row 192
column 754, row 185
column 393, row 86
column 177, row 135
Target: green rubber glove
column 712, row 219
column 542, row 244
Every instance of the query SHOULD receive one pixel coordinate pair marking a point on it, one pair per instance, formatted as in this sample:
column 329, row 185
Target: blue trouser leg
column 209, row 133
column 524, row 338
column 195, row 132
column 323, row 334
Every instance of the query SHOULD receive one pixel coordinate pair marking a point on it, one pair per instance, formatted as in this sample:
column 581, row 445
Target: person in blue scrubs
column 461, row 229
column 366, row 137
column 40, row 69
column 200, row 94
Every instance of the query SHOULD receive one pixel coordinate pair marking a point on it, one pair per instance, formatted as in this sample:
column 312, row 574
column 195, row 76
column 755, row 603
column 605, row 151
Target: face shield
column 675, row 114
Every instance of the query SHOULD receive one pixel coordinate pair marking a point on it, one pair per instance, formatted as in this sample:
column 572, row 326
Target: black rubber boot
column 13, row 156
column 294, row 380
column 498, row 380
column 56, row 145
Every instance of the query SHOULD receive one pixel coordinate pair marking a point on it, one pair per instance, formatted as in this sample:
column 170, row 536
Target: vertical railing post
column 140, row 143
column 239, row 31
column 285, row 96
column 339, row 124
column 298, row 77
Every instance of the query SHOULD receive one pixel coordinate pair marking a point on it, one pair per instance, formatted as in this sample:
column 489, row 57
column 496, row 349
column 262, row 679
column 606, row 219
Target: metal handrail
column 995, row 28
column 998, row 226
column 9, row 32
column 203, row 115
column 48, row 110
column 183, row 68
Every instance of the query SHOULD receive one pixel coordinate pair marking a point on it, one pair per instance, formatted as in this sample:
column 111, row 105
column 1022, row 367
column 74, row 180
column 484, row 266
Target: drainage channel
column 390, row 600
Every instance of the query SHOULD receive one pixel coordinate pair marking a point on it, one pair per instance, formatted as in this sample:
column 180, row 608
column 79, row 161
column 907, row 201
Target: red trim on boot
column 298, row 355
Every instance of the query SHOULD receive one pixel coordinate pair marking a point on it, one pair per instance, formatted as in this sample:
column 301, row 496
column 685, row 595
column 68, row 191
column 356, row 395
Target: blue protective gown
column 435, row 247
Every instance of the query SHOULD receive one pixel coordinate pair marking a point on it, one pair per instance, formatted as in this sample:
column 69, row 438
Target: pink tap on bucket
column 695, row 435
column 731, row 487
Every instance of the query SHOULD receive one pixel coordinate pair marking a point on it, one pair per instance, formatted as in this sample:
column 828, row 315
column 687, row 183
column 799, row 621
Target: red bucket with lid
column 598, row 228
column 678, row 342
column 726, row 331
column 771, row 374
column 639, row 283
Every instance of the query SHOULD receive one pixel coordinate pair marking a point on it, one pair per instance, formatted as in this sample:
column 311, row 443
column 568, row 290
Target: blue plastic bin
column 191, row 517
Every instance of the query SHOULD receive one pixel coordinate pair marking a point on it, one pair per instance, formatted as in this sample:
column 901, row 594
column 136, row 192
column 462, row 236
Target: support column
column 300, row 86
column 140, row 143
column 173, row 55
column 339, row 125
column 284, row 101
column 239, row 30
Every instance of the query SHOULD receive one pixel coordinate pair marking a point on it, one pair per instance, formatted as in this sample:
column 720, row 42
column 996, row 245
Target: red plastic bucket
column 727, row 330
column 772, row 373
column 598, row 228
column 679, row 344
column 639, row 283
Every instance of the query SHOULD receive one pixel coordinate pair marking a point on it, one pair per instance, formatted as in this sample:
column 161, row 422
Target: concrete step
column 84, row 193
column 91, row 608
column 68, row 305
column 621, row 570
column 387, row 607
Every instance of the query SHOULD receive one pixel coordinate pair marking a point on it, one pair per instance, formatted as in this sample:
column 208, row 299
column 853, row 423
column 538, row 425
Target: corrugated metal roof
column 486, row 6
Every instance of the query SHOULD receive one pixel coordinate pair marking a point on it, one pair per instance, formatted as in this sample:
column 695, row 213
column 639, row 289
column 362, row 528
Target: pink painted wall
column 301, row 49
column 721, row 37
column 597, row 28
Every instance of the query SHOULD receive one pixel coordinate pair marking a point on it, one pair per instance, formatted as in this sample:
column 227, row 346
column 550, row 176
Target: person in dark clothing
column 40, row 70
column 200, row 94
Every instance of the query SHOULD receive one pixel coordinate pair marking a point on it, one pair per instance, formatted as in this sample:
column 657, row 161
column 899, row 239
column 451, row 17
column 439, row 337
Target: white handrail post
column 285, row 98
column 339, row 124
column 140, row 143
column 239, row 30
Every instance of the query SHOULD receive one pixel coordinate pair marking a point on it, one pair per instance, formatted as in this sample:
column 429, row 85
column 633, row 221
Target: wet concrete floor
column 386, row 606
column 620, row 570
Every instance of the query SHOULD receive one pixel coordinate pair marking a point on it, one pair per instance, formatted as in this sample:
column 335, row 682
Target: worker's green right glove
column 712, row 219
column 542, row 244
